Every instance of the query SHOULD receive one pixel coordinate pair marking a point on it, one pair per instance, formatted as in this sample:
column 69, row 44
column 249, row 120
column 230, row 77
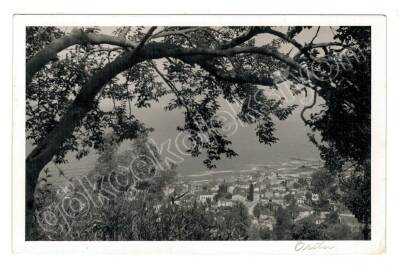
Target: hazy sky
column 293, row 141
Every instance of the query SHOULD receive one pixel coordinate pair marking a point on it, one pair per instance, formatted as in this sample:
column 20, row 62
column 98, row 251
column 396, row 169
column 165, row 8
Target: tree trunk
column 32, row 171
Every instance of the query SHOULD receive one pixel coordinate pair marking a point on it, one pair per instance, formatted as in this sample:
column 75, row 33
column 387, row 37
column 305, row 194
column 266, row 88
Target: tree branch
column 237, row 76
column 306, row 122
column 319, row 45
column 250, row 33
column 145, row 38
column 77, row 36
column 315, row 36
column 284, row 37
column 171, row 86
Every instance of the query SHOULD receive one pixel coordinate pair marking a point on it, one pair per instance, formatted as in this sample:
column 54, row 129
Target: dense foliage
column 344, row 124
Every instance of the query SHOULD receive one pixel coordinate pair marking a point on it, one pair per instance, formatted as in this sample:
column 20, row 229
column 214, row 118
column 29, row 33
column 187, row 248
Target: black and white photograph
column 263, row 130
column 198, row 133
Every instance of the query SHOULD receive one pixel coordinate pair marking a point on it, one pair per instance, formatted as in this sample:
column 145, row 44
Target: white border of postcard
column 378, row 225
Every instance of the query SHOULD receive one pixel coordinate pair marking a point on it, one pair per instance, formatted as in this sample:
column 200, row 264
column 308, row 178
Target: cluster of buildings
column 267, row 189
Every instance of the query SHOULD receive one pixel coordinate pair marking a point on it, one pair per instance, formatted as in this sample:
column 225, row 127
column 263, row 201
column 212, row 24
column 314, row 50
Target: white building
column 225, row 203
column 204, row 196
column 238, row 197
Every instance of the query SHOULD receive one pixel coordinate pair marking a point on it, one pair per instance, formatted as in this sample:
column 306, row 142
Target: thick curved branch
column 77, row 36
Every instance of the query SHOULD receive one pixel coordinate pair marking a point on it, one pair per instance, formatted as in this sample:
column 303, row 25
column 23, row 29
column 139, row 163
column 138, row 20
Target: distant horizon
column 79, row 168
